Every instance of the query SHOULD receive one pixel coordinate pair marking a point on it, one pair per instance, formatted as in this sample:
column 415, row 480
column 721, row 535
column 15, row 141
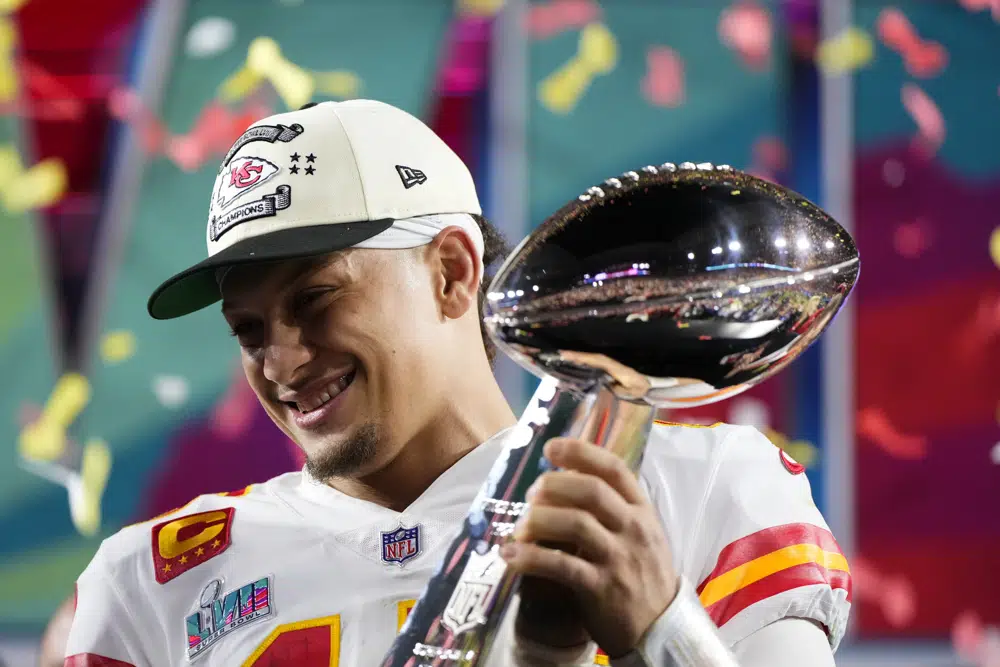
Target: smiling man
column 347, row 249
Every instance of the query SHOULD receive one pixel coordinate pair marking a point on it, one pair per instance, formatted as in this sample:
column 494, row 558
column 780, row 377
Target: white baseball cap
column 329, row 176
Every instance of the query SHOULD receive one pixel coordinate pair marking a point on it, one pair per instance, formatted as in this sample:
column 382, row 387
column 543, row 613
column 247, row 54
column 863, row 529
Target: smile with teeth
column 325, row 395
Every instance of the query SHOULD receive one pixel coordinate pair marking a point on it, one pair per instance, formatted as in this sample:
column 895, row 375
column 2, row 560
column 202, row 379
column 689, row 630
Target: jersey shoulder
column 183, row 538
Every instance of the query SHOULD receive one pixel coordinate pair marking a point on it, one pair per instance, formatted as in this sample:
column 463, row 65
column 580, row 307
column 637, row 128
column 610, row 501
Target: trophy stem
column 462, row 607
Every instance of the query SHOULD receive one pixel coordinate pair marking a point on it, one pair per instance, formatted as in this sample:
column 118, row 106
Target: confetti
column 597, row 54
column 746, row 28
column 802, row 451
column 927, row 116
column 552, row 18
column 973, row 642
column 893, row 173
column 214, row 131
column 85, row 496
column 171, row 391
column 480, row 7
column 234, row 413
column 995, row 247
column 293, row 84
column 894, row 595
column 979, row 5
column 41, row 185
column 663, row 84
column 45, row 438
column 8, row 67
column 117, row 346
column 209, row 36
column 912, row 239
column 85, row 489
column 874, row 424
column 846, row 52
column 921, row 58
column 980, row 331
column 264, row 61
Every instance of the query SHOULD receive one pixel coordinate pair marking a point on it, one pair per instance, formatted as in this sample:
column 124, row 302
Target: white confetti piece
column 209, row 36
column 172, row 391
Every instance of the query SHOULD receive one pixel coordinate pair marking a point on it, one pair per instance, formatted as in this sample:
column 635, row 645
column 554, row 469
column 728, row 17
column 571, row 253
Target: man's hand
column 614, row 555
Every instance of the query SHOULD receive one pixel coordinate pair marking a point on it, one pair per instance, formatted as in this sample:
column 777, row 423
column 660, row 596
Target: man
column 347, row 249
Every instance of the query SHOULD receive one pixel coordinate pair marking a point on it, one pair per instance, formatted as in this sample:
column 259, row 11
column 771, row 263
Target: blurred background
column 115, row 114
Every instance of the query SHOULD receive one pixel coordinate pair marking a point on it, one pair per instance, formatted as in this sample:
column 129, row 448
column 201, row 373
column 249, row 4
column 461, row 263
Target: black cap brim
column 196, row 287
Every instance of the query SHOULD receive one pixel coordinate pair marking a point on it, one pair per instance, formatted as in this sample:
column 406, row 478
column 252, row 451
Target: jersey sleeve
column 103, row 633
column 763, row 551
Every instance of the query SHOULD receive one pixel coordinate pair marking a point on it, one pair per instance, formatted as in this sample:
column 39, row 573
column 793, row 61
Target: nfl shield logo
column 400, row 545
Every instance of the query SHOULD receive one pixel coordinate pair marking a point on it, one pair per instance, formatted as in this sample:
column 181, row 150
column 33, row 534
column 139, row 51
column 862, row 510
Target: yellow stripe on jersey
column 797, row 554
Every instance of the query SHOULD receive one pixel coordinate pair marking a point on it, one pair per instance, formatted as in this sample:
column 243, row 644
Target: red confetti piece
column 912, row 239
column 663, row 84
column 921, row 58
column 214, row 131
column 546, row 20
column 926, row 114
column 746, row 28
column 875, row 425
column 894, row 595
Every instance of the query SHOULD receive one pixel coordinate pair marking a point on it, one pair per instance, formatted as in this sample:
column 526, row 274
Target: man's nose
column 287, row 355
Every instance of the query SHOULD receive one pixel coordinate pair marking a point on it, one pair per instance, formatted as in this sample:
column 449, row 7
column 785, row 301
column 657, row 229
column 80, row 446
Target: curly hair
column 496, row 249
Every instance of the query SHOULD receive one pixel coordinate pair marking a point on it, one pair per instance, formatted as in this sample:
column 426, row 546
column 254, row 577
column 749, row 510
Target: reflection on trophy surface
column 671, row 286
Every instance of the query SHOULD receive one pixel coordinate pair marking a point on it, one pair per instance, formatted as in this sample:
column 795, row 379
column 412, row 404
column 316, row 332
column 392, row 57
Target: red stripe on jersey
column 766, row 541
column 93, row 660
column 806, row 574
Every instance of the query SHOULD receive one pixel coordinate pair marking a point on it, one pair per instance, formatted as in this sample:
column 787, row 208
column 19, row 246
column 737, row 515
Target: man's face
column 340, row 351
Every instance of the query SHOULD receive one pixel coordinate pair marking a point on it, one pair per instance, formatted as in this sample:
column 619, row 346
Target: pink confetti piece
column 921, row 58
column 926, row 114
column 552, row 18
column 233, row 414
column 746, row 28
column 912, row 239
column 894, row 595
column 979, row 5
column 875, row 425
column 663, row 84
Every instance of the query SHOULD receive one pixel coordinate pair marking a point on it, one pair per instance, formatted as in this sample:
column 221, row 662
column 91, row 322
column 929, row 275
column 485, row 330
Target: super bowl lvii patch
column 220, row 613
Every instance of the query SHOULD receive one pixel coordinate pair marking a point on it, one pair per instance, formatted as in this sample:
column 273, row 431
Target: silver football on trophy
column 698, row 280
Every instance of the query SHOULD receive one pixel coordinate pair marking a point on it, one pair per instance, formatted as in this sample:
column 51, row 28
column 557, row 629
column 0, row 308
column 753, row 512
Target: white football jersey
column 293, row 572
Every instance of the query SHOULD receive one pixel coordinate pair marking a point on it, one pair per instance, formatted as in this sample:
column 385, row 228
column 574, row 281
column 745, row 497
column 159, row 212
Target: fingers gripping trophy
column 667, row 287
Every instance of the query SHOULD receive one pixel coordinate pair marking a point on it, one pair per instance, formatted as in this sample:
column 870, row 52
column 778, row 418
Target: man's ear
column 458, row 269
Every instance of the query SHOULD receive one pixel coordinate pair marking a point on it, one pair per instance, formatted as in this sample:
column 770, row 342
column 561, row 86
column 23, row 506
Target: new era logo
column 410, row 177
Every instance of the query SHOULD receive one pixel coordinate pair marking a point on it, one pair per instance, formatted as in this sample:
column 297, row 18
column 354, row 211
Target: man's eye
column 245, row 332
column 306, row 300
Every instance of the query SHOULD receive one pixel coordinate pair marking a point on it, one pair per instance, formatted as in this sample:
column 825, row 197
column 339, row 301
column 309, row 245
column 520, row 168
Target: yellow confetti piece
column 85, row 499
column 8, row 68
column 10, row 6
column 597, row 54
column 265, row 61
column 340, row 83
column 804, row 453
column 480, row 7
column 117, row 346
column 850, row 50
column 24, row 189
column 995, row 246
column 45, row 438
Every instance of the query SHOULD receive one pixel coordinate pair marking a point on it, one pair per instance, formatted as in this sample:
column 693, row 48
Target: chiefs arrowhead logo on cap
column 241, row 176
